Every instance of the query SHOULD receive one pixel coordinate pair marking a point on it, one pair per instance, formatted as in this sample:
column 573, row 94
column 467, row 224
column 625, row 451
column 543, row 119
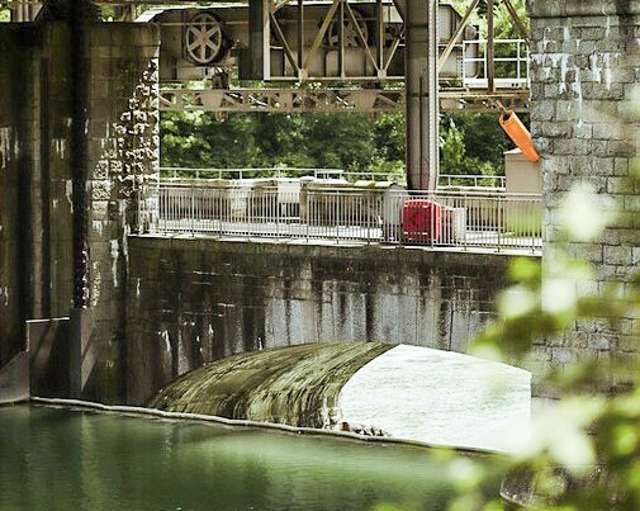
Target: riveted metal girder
column 288, row 100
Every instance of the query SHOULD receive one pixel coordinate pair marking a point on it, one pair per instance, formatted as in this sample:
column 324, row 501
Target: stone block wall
column 19, row 139
column 192, row 301
column 122, row 155
column 39, row 231
column 584, row 74
column 123, row 160
column 55, row 247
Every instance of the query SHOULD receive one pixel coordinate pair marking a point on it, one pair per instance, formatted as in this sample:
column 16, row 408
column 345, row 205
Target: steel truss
column 329, row 100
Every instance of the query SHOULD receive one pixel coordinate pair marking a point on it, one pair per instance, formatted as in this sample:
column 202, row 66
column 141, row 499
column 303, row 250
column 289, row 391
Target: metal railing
column 495, row 221
column 240, row 174
column 249, row 173
column 473, row 181
column 511, row 72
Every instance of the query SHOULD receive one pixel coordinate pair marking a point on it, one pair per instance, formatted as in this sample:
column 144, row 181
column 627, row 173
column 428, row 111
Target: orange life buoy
column 520, row 135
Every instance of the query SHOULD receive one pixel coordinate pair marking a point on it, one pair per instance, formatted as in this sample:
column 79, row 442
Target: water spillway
column 297, row 385
column 409, row 392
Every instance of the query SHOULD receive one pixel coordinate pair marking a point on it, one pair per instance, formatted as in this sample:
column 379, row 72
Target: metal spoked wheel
column 203, row 38
column 350, row 33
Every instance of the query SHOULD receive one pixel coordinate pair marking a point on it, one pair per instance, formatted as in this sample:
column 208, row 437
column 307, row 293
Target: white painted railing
column 249, row 172
column 512, row 72
column 473, row 181
column 495, row 221
column 240, row 174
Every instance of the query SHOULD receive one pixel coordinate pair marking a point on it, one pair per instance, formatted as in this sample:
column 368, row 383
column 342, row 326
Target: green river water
column 71, row 460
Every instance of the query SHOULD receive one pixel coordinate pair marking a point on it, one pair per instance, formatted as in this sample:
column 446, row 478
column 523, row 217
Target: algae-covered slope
column 294, row 385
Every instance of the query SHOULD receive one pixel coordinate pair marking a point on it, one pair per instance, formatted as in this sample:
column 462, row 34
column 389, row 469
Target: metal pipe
column 380, row 39
column 300, row 33
column 341, row 42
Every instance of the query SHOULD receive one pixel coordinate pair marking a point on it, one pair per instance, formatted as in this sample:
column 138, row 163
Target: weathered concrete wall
column 191, row 301
column 123, row 155
column 584, row 70
column 40, row 230
column 19, row 156
column 120, row 154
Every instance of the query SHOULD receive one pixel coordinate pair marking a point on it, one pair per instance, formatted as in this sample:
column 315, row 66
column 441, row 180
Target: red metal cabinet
column 421, row 221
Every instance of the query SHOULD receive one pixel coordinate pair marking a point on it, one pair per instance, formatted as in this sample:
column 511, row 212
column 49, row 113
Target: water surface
column 70, row 460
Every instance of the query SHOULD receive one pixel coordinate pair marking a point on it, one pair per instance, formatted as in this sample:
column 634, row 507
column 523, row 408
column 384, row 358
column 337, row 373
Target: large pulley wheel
column 351, row 38
column 203, row 39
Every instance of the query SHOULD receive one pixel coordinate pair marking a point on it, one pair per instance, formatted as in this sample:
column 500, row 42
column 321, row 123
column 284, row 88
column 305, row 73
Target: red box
column 421, row 220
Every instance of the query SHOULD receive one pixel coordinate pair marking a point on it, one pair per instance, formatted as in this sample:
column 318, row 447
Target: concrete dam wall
column 191, row 301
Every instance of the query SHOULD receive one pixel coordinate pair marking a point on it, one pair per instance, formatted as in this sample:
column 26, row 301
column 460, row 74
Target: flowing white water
column 440, row 397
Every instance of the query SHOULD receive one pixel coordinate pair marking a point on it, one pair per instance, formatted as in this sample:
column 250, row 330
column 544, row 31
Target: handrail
column 518, row 64
column 240, row 174
column 463, row 219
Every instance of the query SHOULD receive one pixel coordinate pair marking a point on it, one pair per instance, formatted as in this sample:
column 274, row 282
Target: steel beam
column 259, row 39
column 300, row 34
column 289, row 100
column 379, row 23
column 421, row 85
column 524, row 33
column 491, row 68
column 456, row 35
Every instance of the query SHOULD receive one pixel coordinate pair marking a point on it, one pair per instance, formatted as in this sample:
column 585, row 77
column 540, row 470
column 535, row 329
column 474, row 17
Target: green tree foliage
column 452, row 150
column 472, row 144
column 355, row 142
column 199, row 139
column 504, row 26
column 195, row 139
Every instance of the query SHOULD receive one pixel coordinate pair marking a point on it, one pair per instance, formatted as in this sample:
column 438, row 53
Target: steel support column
column 491, row 65
column 259, row 39
column 421, row 86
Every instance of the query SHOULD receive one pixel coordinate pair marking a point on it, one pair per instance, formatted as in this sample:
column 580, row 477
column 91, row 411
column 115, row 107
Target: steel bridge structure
column 417, row 56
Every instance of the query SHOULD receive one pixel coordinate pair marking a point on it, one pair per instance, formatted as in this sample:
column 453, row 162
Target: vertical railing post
column 193, row 207
column 466, row 214
column 518, row 67
column 249, row 219
column 162, row 209
column 500, row 222
column 537, row 226
column 337, row 216
column 278, row 213
column 434, row 218
column 307, row 213
column 370, row 218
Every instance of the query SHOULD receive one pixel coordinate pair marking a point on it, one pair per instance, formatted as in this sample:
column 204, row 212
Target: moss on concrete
column 296, row 385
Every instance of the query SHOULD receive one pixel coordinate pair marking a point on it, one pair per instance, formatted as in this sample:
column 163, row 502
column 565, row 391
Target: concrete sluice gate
column 371, row 389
